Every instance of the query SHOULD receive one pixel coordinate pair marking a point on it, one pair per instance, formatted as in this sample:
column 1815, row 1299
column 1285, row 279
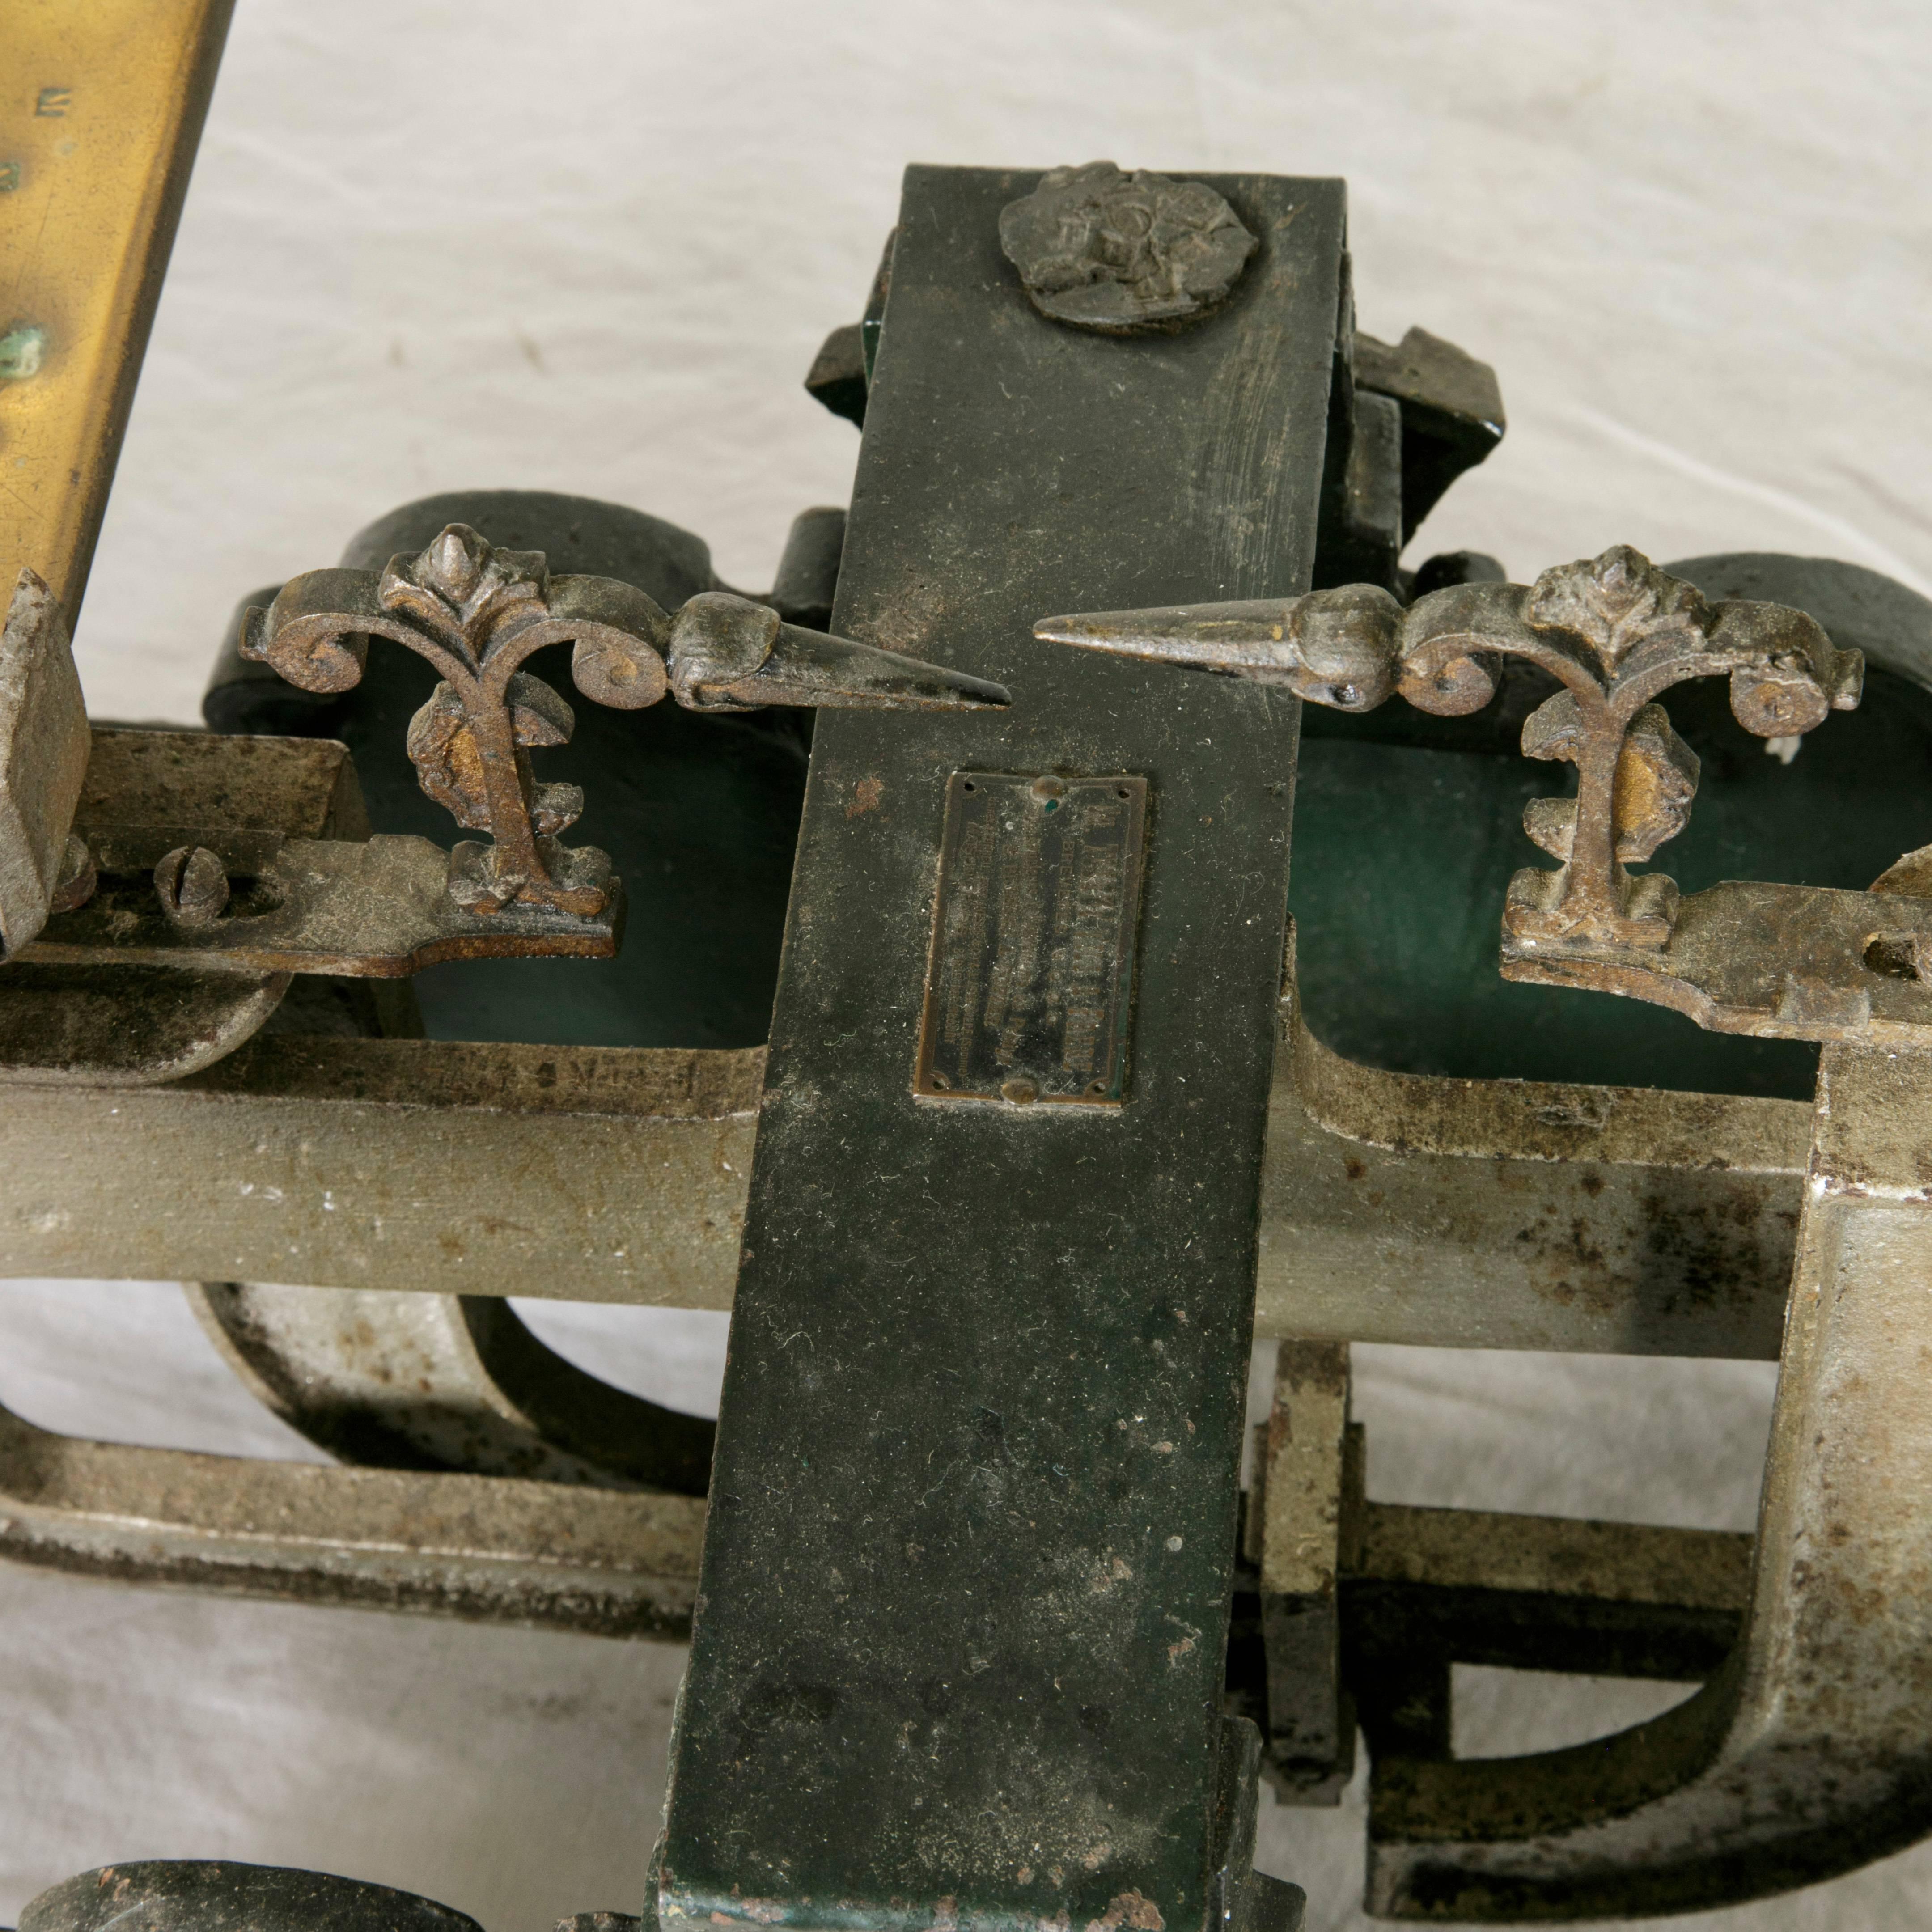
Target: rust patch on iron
column 1130, row 1909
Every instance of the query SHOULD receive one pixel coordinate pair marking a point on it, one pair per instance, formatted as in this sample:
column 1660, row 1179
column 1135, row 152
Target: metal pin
column 729, row 654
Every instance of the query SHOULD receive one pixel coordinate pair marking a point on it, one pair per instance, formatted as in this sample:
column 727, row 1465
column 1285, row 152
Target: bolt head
column 192, row 886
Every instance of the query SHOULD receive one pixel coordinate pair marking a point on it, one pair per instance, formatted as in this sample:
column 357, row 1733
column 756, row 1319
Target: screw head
column 78, row 878
column 192, row 886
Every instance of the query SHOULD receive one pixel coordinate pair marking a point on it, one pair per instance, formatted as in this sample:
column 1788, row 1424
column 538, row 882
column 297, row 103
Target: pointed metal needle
column 729, row 654
column 1336, row 647
column 1241, row 640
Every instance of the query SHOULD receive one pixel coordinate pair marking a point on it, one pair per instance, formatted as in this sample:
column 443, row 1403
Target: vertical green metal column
column 958, row 1650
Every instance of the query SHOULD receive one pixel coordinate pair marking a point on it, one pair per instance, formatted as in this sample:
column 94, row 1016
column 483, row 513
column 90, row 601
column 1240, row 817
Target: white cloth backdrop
column 591, row 246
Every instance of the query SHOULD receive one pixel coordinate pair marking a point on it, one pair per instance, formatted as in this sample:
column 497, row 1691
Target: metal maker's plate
column 1029, row 984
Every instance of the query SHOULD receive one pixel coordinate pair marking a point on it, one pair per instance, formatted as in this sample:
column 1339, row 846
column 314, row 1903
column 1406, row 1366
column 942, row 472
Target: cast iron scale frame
column 1038, row 1107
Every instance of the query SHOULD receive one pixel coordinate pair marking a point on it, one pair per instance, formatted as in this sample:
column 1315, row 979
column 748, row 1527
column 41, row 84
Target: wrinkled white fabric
column 591, row 247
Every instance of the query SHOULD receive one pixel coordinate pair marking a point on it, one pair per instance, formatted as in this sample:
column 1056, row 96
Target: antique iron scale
column 1008, row 1125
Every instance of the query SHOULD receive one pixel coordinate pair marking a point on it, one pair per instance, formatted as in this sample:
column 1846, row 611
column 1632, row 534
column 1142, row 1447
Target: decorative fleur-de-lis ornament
column 1616, row 632
column 477, row 613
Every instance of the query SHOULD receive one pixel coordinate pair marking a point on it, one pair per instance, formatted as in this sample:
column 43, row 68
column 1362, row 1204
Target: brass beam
column 100, row 111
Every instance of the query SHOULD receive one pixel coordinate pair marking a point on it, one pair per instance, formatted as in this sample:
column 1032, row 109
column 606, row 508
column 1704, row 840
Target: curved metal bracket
column 1810, row 1754
column 444, row 1382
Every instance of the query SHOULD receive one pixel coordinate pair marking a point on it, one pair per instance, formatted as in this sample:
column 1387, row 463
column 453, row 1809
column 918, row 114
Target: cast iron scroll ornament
column 1120, row 252
column 477, row 613
column 1616, row 632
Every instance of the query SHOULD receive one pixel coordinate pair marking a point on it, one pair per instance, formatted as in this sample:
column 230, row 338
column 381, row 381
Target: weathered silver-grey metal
column 44, row 753
column 1397, row 1208
column 1544, row 1592
column 1118, row 252
column 114, row 1026
column 380, row 908
column 1656, row 1566
column 110, row 1022
column 141, row 784
column 1306, row 1506
column 1781, row 962
column 1435, row 1588
column 614, row 1173
column 477, row 613
column 1523, row 1214
column 219, row 1895
column 435, row 1381
column 1810, row 1752
column 1615, row 631
column 217, row 867
column 1422, row 1590
column 488, row 1548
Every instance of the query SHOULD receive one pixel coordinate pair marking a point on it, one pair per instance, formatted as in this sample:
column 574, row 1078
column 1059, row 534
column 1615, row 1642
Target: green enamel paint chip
column 23, row 350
